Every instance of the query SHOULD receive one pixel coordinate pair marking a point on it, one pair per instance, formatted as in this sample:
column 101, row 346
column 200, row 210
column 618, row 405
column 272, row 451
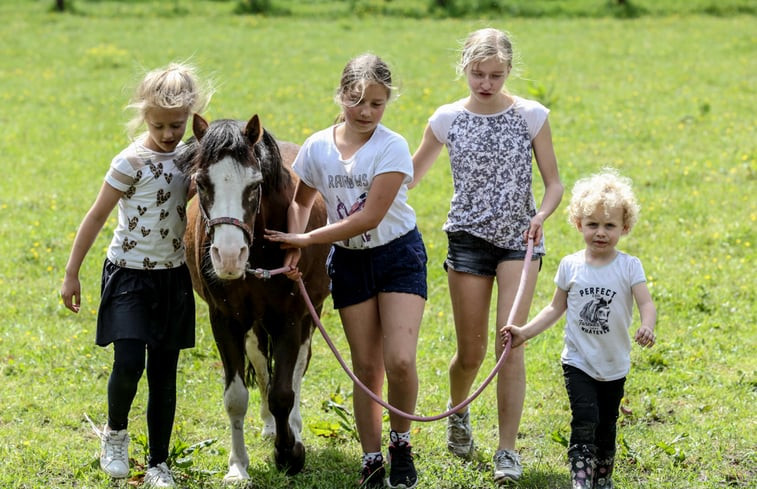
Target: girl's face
column 363, row 110
column 165, row 128
column 602, row 230
column 486, row 79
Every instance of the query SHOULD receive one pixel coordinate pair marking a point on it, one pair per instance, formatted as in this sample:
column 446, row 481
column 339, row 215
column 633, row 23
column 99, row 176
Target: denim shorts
column 470, row 254
column 358, row 275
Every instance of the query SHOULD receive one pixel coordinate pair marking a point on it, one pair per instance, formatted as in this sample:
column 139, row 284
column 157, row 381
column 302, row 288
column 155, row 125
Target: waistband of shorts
column 408, row 237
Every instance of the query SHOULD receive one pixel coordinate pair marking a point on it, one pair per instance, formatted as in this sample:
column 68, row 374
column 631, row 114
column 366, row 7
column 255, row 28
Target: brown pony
column 262, row 328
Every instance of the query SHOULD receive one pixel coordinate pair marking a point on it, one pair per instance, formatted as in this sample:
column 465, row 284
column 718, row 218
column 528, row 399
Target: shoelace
column 112, row 450
column 457, row 424
column 162, row 474
column 506, row 459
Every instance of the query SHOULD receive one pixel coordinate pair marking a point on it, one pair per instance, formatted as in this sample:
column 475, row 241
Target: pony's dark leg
column 257, row 346
column 291, row 353
column 229, row 339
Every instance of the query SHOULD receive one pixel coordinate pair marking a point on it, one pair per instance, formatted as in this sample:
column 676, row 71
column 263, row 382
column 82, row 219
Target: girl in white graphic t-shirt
column 596, row 288
column 377, row 262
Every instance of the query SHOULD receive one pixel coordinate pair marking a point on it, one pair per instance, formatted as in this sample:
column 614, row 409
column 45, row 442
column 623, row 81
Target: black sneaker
column 372, row 474
column 402, row 474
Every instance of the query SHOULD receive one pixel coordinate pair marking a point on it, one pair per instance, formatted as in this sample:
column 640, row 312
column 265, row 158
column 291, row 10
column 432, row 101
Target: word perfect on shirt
column 597, row 292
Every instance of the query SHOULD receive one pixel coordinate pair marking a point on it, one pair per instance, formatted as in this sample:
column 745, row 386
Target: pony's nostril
column 244, row 252
column 215, row 255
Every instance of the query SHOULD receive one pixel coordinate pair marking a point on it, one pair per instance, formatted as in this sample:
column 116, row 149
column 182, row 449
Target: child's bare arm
column 645, row 335
column 545, row 319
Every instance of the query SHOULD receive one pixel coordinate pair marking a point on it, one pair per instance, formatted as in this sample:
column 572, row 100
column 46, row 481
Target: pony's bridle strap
column 211, row 223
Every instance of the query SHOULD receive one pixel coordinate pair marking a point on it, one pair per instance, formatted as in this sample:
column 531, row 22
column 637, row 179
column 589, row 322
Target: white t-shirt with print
column 152, row 211
column 491, row 160
column 344, row 184
column 600, row 310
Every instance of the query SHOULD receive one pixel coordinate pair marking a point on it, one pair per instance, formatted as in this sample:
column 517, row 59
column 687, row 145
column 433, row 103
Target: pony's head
column 229, row 181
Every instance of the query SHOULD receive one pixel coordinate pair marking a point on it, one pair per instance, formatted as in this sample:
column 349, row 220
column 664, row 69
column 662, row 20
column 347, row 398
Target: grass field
column 668, row 99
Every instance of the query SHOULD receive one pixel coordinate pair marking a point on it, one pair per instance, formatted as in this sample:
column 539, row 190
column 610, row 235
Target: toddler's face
column 602, row 229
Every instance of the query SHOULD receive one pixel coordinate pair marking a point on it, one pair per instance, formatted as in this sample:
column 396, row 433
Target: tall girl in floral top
column 491, row 137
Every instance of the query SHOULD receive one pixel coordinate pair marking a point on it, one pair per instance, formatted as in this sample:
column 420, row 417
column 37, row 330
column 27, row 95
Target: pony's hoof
column 290, row 461
column 235, row 474
column 268, row 431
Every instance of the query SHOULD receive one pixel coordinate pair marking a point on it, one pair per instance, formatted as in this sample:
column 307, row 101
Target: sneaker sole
column 400, row 486
column 466, row 455
column 506, row 480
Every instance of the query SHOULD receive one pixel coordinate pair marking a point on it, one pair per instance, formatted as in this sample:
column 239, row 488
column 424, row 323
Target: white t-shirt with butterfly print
column 152, row 212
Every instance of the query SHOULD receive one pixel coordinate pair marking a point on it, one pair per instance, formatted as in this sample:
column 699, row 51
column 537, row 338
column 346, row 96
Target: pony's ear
column 253, row 129
column 199, row 126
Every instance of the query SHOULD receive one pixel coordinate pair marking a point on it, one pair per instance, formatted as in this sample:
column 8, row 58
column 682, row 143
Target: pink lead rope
column 513, row 310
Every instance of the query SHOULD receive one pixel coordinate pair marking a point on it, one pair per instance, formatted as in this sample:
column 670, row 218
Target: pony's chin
column 225, row 274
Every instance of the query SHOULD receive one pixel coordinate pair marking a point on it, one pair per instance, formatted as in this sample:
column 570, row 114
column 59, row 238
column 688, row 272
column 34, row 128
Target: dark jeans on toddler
column 594, row 406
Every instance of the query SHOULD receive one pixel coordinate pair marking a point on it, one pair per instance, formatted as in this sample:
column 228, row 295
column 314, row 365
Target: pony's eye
column 200, row 183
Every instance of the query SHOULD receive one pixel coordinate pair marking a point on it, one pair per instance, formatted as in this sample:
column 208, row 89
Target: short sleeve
column 301, row 165
column 534, row 113
column 396, row 158
column 636, row 271
column 122, row 173
column 441, row 120
column 563, row 276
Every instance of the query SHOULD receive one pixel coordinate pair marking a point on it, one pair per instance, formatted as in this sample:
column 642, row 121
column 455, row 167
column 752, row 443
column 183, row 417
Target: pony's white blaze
column 229, row 250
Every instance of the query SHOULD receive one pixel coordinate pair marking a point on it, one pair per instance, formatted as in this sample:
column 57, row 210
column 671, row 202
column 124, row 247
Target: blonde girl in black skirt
column 147, row 308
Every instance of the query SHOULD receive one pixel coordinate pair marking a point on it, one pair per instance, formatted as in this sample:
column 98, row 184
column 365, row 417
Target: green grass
column 667, row 99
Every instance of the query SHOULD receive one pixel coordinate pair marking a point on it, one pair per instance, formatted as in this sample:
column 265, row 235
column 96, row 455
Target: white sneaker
column 507, row 467
column 159, row 476
column 460, row 434
column 114, row 452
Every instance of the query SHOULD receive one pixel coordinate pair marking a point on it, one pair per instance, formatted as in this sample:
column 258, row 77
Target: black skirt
column 154, row 306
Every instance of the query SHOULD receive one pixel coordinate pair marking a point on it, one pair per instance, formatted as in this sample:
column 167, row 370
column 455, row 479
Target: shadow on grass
column 556, row 478
column 328, row 467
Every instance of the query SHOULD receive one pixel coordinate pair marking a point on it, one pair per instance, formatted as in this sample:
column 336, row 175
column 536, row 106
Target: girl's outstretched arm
column 425, row 155
column 89, row 228
column 545, row 319
column 382, row 193
column 648, row 313
column 553, row 187
column 298, row 215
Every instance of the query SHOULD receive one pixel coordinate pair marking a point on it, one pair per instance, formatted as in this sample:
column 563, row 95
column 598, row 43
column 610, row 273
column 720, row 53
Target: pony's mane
column 225, row 137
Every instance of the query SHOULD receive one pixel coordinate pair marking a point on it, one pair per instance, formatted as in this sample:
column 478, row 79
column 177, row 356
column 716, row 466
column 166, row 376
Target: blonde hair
column 358, row 73
column 482, row 45
column 175, row 86
column 605, row 190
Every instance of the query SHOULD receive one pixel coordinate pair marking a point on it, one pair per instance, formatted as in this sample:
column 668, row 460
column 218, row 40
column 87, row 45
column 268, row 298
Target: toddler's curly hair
column 605, row 190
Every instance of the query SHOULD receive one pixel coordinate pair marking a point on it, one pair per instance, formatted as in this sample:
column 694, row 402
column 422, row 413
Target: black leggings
column 128, row 365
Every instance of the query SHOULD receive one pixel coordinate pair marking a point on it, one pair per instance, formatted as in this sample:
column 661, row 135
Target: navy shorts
column 398, row 266
column 470, row 254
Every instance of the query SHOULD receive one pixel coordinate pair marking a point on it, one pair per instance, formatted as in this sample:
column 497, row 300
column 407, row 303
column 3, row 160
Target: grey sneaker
column 507, row 467
column 159, row 476
column 460, row 434
column 114, row 452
